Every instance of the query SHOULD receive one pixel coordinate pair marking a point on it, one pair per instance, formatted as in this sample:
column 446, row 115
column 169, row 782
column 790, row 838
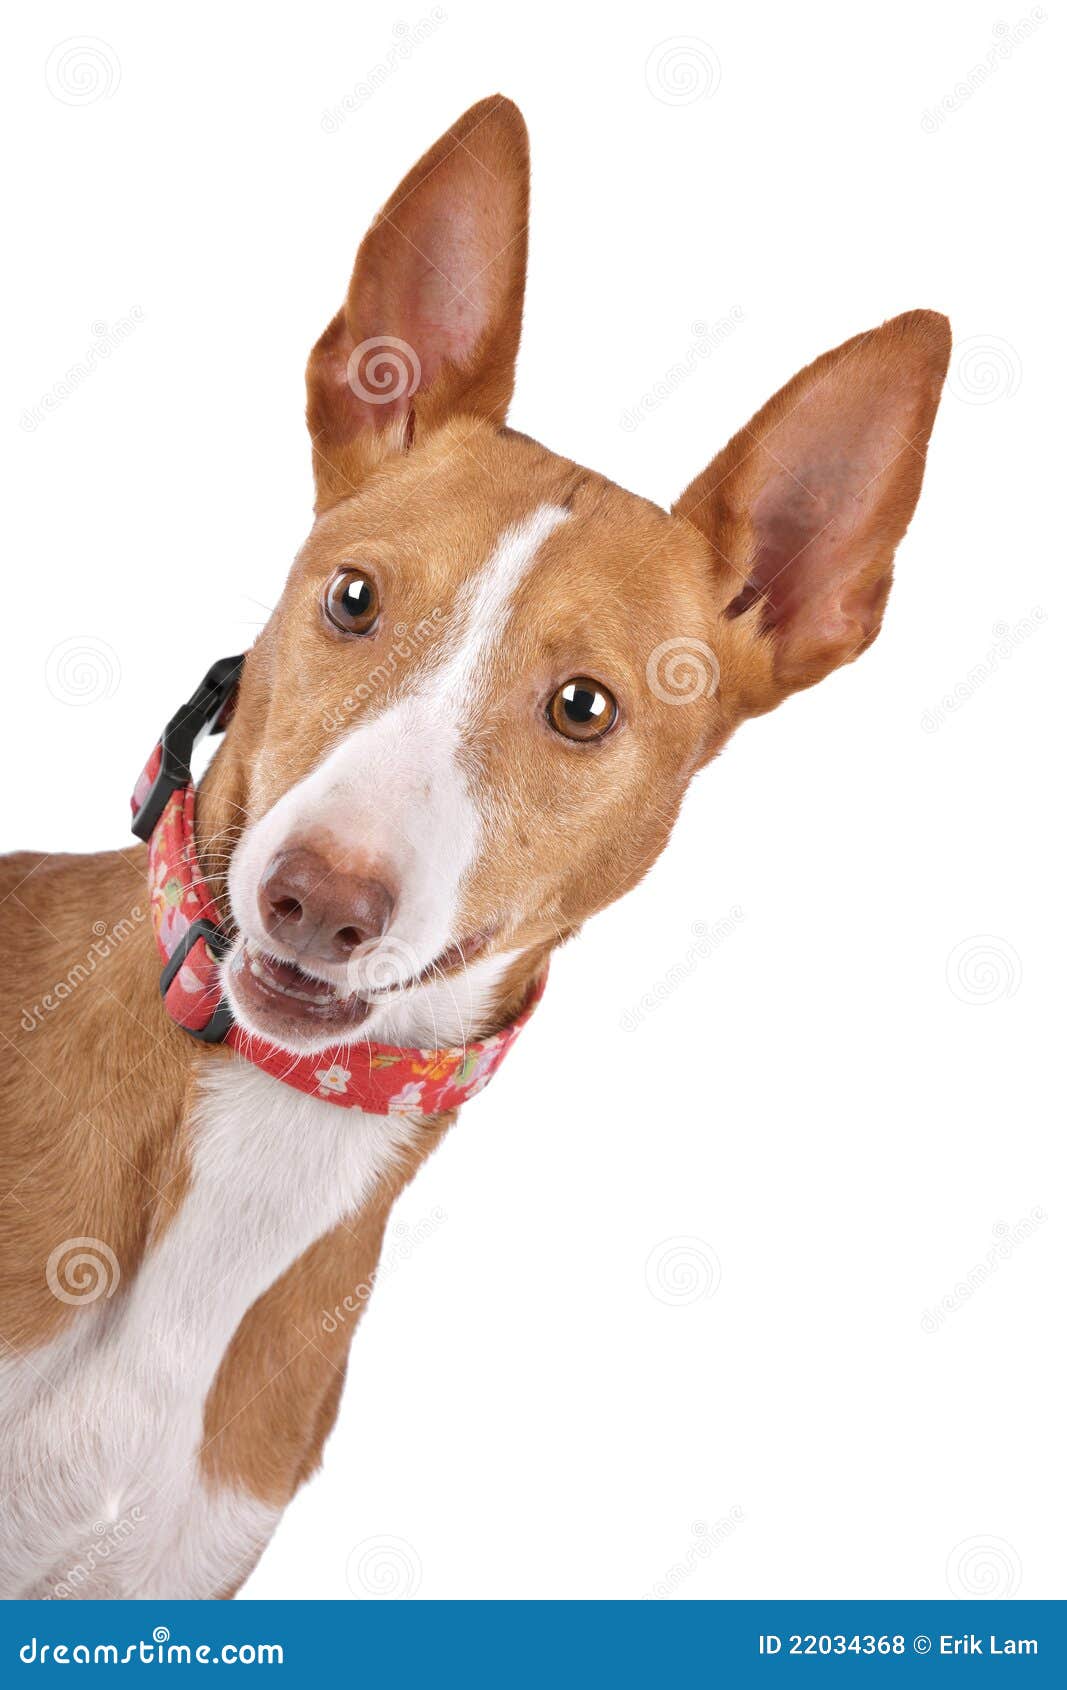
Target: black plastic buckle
column 215, row 939
column 200, row 716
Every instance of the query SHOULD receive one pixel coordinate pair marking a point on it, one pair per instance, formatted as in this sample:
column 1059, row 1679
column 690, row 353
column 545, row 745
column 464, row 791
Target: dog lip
column 284, row 977
column 287, row 999
column 289, row 1002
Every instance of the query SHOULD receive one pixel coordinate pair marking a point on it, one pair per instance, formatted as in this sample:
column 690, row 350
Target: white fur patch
column 396, row 785
column 483, row 608
column 101, row 1429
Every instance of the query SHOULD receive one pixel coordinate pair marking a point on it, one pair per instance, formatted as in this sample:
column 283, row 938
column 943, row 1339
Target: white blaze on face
column 394, row 788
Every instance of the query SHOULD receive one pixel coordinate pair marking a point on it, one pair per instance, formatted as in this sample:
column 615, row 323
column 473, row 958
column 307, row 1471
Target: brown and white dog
column 468, row 805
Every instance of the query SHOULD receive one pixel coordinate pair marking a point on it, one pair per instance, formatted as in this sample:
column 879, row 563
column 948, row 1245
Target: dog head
column 471, row 720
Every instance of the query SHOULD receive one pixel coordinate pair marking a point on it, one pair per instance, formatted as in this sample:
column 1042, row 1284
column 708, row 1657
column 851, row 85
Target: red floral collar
column 379, row 1079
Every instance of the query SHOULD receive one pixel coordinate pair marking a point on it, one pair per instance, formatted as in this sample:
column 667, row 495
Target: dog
column 451, row 744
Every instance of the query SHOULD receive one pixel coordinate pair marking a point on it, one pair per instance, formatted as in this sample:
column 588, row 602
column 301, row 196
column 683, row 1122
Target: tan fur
column 778, row 558
column 92, row 1097
column 276, row 1395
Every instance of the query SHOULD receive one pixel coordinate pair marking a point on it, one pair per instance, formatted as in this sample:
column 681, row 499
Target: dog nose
column 318, row 909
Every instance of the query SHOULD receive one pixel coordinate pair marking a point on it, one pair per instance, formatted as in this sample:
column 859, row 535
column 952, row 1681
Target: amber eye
column 582, row 709
column 351, row 602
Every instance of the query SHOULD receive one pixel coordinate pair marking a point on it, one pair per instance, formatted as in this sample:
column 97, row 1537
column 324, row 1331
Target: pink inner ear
column 822, row 478
column 444, row 303
column 430, row 325
column 424, row 288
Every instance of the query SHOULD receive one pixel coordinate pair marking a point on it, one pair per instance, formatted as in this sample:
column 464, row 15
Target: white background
column 840, row 1106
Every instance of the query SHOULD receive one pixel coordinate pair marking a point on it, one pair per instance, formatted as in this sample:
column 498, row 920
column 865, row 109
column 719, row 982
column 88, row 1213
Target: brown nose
column 319, row 910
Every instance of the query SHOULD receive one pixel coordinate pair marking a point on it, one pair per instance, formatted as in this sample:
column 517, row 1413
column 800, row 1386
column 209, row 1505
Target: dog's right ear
column 431, row 324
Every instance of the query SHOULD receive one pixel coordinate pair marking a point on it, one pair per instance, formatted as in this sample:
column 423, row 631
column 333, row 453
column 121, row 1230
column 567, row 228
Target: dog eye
column 351, row 602
column 582, row 709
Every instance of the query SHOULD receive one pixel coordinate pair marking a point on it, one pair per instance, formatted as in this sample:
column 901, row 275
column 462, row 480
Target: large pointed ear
column 431, row 323
column 806, row 505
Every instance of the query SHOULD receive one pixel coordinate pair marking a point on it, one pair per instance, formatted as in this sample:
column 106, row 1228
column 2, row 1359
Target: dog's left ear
column 431, row 324
column 805, row 507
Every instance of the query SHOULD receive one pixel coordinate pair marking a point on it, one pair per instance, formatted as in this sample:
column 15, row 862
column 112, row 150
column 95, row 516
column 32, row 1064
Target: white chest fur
column 101, row 1428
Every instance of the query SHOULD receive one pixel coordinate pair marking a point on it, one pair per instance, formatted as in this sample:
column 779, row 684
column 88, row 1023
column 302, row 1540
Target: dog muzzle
column 379, row 1079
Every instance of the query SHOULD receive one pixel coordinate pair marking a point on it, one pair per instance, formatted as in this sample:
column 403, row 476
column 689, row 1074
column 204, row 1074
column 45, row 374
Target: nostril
column 286, row 909
column 319, row 908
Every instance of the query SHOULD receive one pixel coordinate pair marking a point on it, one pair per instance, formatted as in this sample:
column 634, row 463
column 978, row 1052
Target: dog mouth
column 289, row 1004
